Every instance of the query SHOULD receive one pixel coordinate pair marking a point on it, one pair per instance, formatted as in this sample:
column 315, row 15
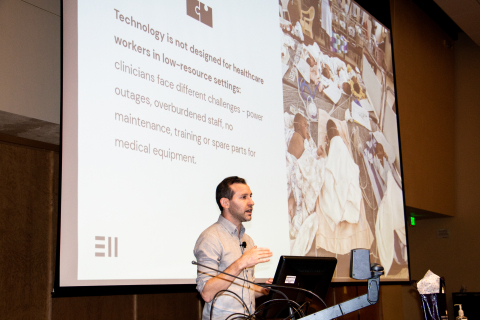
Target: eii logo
column 199, row 11
column 111, row 250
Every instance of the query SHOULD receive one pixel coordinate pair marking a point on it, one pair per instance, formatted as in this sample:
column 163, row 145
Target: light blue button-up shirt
column 218, row 247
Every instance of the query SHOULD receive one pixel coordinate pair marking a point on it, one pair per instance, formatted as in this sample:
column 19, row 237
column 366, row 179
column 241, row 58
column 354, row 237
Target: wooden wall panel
column 339, row 294
column 92, row 308
column 375, row 311
column 346, row 293
column 25, row 224
column 392, row 302
column 169, row 306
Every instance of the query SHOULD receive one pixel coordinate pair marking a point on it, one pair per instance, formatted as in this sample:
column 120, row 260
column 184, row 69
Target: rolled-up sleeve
column 207, row 251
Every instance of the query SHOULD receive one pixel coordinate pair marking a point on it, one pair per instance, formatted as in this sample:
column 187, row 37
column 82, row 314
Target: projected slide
column 163, row 100
column 171, row 100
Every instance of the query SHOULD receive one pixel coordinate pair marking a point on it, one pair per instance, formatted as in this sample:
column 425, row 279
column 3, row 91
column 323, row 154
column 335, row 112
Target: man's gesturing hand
column 255, row 256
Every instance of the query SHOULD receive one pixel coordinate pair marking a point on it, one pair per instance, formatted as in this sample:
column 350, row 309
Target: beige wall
column 30, row 58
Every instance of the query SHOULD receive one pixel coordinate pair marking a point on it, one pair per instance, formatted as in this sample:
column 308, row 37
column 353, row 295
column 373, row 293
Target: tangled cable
column 293, row 306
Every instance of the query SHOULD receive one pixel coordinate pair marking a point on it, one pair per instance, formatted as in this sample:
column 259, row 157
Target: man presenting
column 225, row 246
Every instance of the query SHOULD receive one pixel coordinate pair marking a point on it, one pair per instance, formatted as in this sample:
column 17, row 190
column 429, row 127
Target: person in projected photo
column 341, row 196
column 304, row 164
column 225, row 246
column 301, row 138
column 324, row 195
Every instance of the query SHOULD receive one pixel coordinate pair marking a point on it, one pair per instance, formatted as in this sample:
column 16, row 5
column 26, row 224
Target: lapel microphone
column 243, row 244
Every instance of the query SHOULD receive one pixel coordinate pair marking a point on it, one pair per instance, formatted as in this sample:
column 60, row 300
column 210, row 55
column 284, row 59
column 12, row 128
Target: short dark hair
column 356, row 87
column 347, row 88
column 296, row 120
column 326, row 73
column 310, row 62
column 332, row 130
column 224, row 190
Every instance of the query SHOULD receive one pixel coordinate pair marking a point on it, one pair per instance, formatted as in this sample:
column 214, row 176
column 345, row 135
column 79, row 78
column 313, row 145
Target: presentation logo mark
column 199, row 11
column 101, row 251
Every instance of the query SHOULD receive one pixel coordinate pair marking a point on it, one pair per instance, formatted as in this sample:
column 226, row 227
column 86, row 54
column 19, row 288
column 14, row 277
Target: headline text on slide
column 165, row 37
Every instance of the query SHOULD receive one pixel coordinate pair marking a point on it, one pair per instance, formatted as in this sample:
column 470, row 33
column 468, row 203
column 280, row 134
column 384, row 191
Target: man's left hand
column 267, row 290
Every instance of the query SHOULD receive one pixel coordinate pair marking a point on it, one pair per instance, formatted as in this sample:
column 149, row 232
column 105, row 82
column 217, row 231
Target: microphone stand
column 356, row 303
column 260, row 285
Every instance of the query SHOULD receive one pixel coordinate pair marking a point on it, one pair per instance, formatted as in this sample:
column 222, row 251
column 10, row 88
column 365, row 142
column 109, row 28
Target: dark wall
column 26, row 216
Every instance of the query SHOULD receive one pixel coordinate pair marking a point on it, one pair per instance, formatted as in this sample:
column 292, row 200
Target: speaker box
column 360, row 264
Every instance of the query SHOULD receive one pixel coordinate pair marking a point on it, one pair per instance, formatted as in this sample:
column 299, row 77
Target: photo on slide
column 341, row 138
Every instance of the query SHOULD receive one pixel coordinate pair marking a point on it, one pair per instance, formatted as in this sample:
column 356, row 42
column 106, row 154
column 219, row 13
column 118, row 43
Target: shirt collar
column 230, row 227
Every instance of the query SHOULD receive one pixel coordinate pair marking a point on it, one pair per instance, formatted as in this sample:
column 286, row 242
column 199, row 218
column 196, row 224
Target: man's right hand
column 255, row 256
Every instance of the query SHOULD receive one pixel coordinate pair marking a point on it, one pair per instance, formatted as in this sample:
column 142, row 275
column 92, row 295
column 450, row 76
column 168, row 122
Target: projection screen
column 163, row 100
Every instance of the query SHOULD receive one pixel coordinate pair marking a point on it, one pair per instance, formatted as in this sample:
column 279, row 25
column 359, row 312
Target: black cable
column 274, row 302
column 237, row 316
column 257, row 284
column 291, row 314
column 245, row 274
column 298, row 309
column 289, row 304
column 222, row 291
column 301, row 289
column 306, row 308
column 243, row 286
column 243, row 302
column 269, row 286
